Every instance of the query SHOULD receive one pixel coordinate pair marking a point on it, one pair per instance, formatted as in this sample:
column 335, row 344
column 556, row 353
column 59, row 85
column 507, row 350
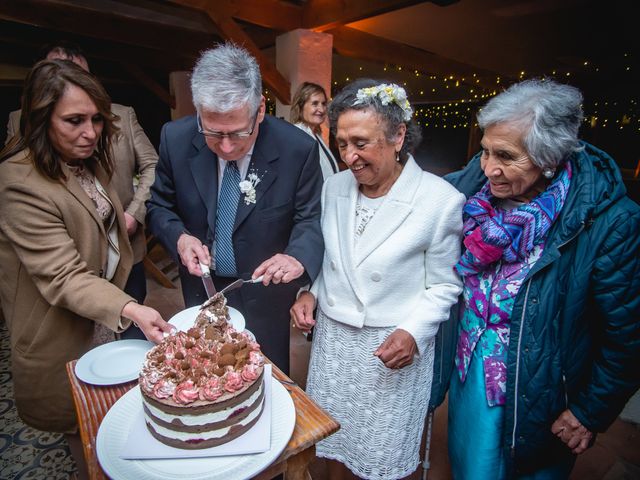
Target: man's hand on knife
column 192, row 252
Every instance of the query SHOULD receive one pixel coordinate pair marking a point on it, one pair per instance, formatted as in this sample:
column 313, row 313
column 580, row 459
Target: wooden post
column 304, row 56
column 181, row 91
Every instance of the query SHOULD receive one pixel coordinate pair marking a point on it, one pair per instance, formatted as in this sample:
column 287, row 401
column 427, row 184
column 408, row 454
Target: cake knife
column 239, row 282
column 207, row 281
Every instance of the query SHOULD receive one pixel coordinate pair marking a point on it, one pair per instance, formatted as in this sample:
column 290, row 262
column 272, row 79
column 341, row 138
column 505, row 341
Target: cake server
column 207, row 281
column 238, row 283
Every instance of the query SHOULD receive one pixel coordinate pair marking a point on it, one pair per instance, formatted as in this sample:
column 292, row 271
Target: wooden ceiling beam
column 21, row 46
column 274, row 14
column 229, row 29
column 150, row 84
column 111, row 26
column 322, row 15
column 353, row 43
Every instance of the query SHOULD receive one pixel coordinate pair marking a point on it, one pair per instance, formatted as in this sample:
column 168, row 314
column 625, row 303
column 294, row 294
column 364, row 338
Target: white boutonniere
column 248, row 187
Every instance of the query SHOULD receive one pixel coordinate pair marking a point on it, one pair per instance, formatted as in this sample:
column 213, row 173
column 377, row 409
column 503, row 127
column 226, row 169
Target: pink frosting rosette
column 249, row 373
column 256, row 358
column 170, row 351
column 195, row 362
column 146, row 385
column 163, row 389
column 185, row 393
column 210, row 389
column 148, row 379
column 203, row 363
column 233, row 381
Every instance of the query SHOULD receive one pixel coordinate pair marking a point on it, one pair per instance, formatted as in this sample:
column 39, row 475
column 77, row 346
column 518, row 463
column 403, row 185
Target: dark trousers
column 136, row 287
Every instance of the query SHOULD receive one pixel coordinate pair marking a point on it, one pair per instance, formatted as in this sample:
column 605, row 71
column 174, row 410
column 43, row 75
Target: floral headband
column 386, row 93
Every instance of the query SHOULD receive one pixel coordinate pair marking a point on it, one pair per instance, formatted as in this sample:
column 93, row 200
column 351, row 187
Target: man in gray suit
column 133, row 155
column 239, row 190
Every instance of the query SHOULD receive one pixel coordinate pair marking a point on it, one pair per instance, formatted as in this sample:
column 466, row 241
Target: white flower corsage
column 386, row 93
column 248, row 187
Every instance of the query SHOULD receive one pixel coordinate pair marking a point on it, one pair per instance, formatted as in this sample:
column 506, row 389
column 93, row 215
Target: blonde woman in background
column 308, row 113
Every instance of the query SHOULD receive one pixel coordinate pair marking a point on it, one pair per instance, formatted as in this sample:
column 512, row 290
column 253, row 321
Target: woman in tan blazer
column 132, row 154
column 63, row 240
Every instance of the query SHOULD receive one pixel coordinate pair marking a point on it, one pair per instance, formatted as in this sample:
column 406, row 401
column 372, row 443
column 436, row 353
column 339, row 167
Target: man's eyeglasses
column 230, row 135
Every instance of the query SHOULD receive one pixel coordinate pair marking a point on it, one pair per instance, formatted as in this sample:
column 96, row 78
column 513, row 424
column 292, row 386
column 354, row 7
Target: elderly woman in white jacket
column 392, row 236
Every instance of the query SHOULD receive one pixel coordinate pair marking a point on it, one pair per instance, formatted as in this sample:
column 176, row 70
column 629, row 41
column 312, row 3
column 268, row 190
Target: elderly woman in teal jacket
column 549, row 329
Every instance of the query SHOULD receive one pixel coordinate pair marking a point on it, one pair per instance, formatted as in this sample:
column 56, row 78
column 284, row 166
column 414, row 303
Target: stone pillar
column 180, row 88
column 304, row 56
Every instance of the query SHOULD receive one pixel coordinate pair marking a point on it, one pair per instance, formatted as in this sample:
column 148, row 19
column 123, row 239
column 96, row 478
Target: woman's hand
column 148, row 320
column 302, row 312
column 397, row 350
column 280, row 268
column 192, row 253
column 569, row 429
column 132, row 224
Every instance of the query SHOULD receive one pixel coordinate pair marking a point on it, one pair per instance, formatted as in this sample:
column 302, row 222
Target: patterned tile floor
column 26, row 453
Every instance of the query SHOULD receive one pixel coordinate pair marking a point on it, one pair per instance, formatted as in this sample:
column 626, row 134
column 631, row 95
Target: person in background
column 239, row 190
column 308, row 112
column 392, row 236
column 549, row 335
column 64, row 249
column 134, row 157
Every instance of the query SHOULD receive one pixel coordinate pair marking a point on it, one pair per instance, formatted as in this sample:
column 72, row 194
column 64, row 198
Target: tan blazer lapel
column 77, row 191
column 121, row 250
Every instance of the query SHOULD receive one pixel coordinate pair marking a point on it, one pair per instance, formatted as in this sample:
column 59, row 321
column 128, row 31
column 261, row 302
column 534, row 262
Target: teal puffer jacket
column 575, row 325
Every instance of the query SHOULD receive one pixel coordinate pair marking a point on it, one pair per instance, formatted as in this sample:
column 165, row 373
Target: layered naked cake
column 203, row 387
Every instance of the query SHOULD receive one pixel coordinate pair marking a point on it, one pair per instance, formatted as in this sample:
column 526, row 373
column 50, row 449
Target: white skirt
column 381, row 411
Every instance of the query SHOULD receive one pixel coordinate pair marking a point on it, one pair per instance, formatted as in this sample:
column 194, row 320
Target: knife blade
column 238, row 283
column 207, row 281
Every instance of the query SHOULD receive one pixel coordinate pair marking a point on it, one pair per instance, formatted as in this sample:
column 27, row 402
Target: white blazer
column 401, row 271
column 328, row 163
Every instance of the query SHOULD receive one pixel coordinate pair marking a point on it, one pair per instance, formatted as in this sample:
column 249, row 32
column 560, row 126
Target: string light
column 471, row 92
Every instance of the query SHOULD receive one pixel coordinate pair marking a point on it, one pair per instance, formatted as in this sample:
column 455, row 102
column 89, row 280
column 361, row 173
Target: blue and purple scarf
column 492, row 234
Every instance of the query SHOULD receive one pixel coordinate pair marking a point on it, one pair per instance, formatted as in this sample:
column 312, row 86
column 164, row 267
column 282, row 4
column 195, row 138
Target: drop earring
column 548, row 173
column 397, row 156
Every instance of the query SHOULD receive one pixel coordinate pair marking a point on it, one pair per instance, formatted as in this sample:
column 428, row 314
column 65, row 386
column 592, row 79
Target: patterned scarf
column 492, row 233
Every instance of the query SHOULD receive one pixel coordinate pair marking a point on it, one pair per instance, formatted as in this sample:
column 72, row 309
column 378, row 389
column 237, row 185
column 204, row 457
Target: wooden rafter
column 153, row 86
column 274, row 14
column 321, row 15
column 172, row 35
column 106, row 25
column 229, row 29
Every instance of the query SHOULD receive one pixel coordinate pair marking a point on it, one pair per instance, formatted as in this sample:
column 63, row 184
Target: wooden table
column 92, row 403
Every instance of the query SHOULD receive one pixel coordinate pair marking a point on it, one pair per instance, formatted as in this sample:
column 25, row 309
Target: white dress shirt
column 243, row 167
